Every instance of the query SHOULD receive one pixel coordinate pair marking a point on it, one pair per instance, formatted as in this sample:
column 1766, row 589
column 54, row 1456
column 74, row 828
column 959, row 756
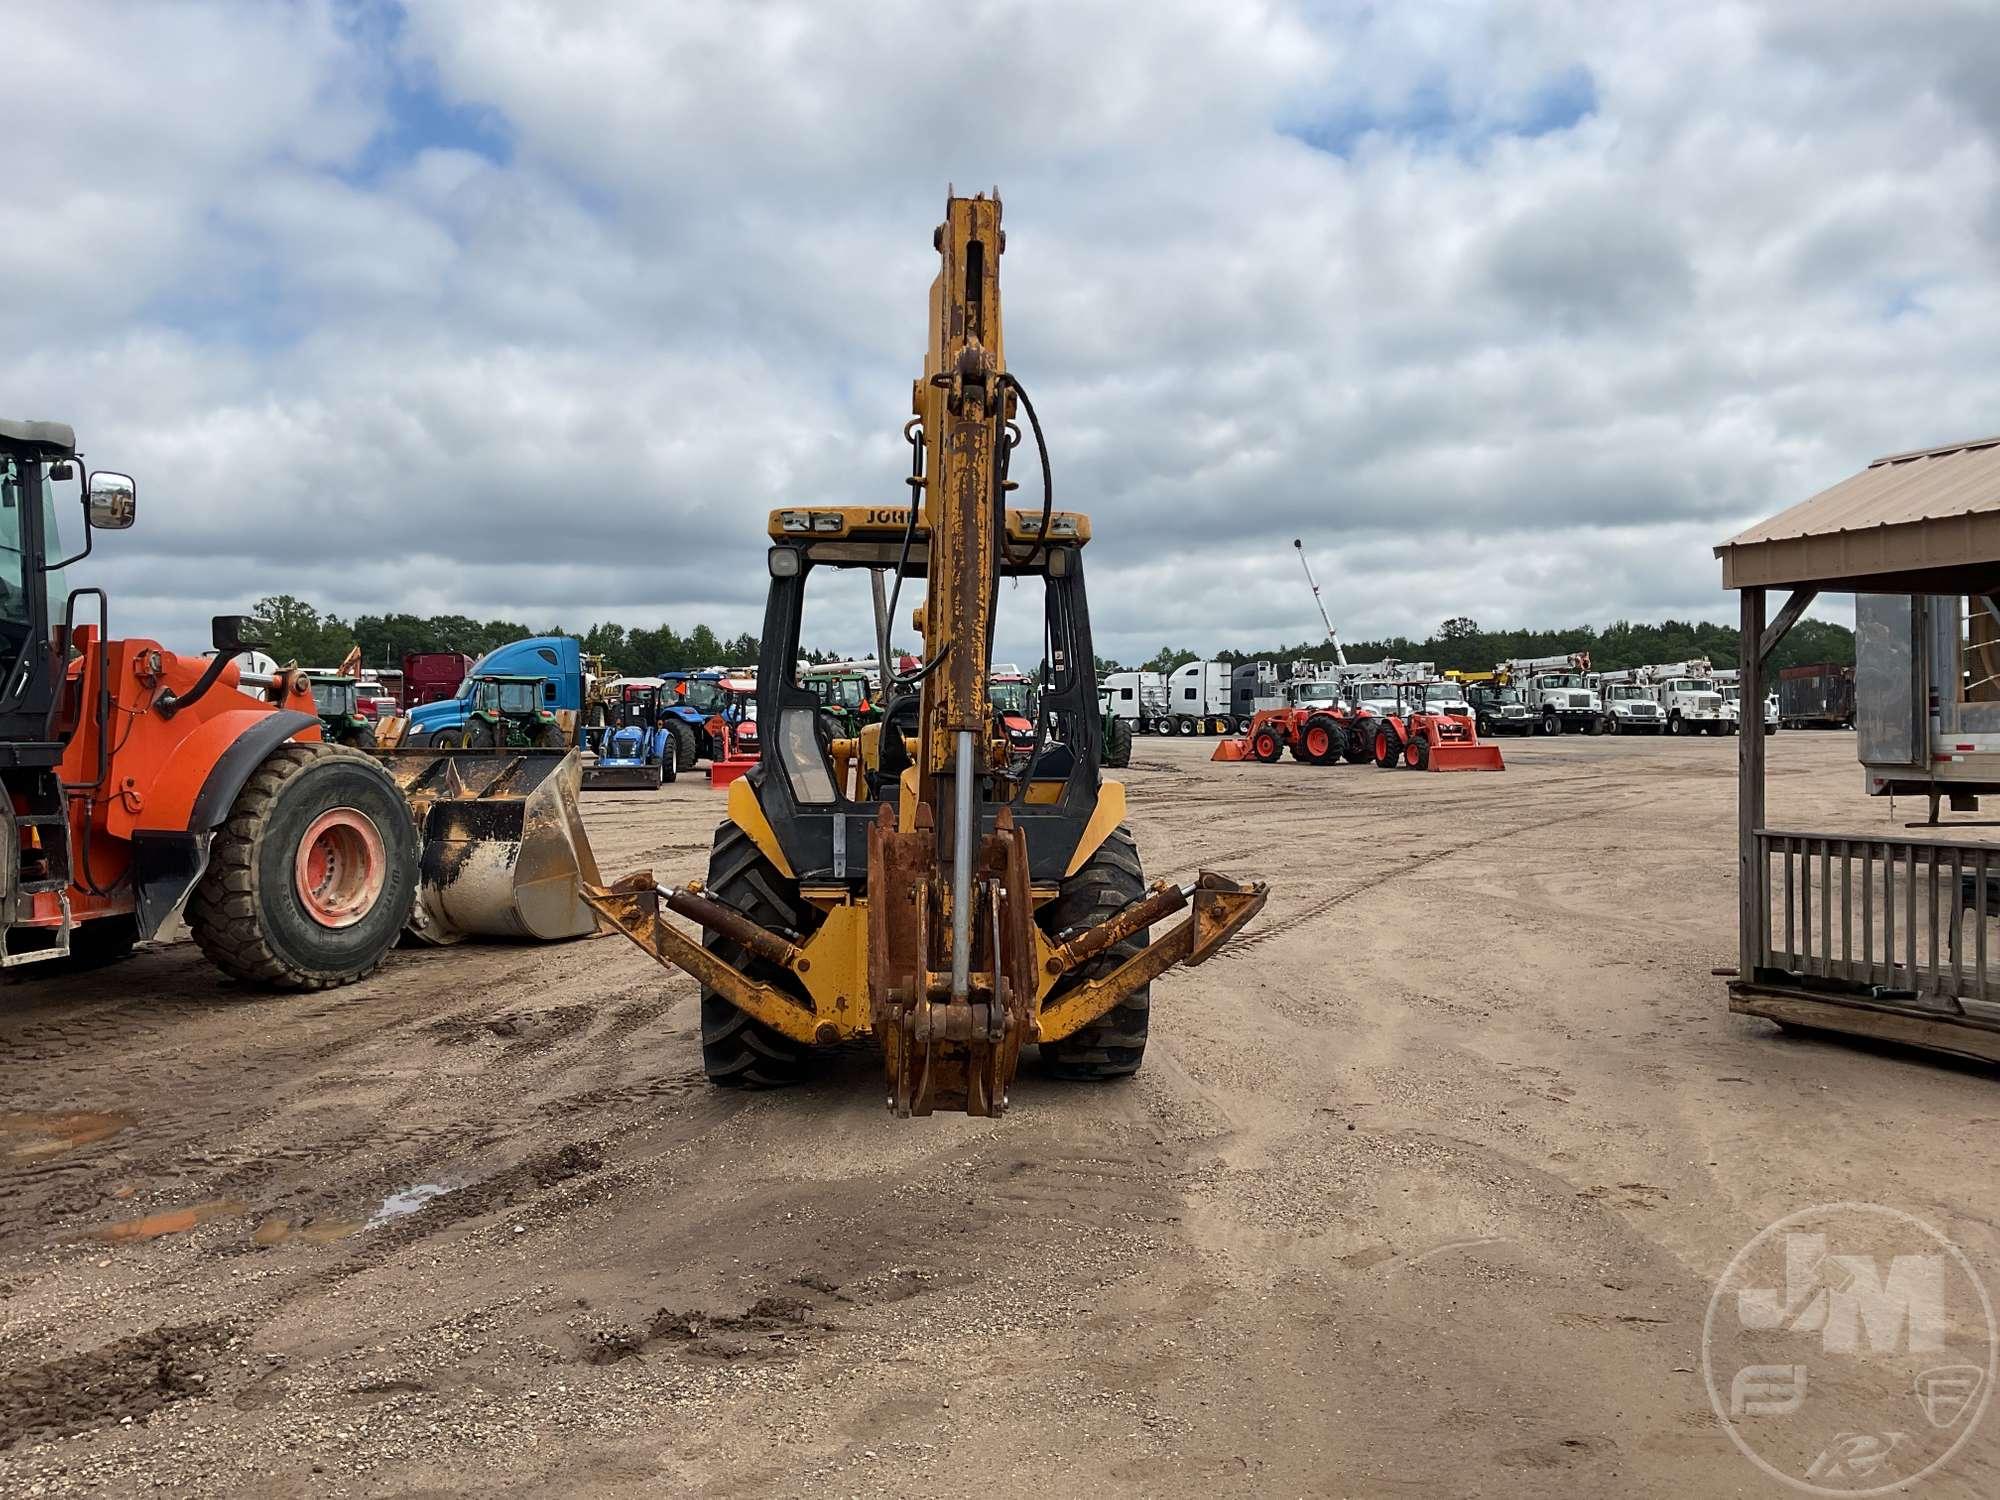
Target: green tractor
column 340, row 721
column 1117, row 732
column 507, row 714
column 845, row 701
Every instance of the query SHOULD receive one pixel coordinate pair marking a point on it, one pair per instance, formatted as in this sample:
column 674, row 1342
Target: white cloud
column 1511, row 309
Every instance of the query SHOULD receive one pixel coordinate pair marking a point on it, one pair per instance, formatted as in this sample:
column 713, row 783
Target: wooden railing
column 1907, row 917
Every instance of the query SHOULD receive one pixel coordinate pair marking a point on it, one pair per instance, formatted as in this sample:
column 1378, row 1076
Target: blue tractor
column 689, row 701
column 639, row 750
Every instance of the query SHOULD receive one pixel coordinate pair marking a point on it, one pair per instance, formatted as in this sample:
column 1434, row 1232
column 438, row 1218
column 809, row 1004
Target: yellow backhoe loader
column 917, row 882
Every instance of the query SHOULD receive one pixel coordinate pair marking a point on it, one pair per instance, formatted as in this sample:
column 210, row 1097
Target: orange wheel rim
column 340, row 867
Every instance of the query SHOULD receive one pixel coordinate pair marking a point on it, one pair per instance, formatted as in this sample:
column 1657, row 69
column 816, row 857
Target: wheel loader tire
column 1114, row 1045
column 1267, row 747
column 551, row 737
column 1118, row 745
column 687, row 747
column 311, row 876
column 738, row 1051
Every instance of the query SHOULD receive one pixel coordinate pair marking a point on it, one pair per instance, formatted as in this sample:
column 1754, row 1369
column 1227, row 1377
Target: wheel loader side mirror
column 233, row 633
column 113, row 501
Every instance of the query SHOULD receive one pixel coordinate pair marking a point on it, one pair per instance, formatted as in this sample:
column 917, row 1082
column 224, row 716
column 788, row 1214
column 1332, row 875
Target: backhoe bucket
column 504, row 849
column 1450, row 757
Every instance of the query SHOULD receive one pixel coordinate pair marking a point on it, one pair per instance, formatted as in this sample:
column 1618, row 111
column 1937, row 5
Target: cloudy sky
column 530, row 308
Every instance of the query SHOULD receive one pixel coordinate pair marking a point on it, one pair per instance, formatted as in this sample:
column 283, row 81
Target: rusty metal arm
column 633, row 907
column 1221, row 908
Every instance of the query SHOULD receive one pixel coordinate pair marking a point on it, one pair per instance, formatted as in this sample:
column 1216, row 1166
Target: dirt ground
column 1423, row 1188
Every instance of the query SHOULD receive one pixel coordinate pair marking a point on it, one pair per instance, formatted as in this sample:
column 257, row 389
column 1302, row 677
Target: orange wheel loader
column 143, row 785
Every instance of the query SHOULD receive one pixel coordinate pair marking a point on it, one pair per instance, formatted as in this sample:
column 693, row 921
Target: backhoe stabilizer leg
column 633, row 907
column 1221, row 907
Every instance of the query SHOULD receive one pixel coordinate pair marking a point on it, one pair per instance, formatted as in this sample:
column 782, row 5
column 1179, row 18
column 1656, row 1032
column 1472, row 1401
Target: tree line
column 296, row 631
column 1459, row 645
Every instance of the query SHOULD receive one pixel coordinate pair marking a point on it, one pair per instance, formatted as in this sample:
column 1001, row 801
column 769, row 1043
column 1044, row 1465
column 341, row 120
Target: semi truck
column 556, row 659
column 1198, row 698
column 433, row 676
column 1139, row 698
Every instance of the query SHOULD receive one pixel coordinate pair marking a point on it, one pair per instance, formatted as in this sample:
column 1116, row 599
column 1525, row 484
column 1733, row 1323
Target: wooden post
column 1753, row 906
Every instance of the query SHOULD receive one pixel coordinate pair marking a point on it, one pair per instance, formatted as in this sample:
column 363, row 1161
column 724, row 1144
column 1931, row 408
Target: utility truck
column 1688, row 697
column 1629, row 704
column 1555, row 691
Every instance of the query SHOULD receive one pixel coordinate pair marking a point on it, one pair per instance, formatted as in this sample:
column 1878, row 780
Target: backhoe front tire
column 1114, row 1045
column 311, row 876
column 737, row 1050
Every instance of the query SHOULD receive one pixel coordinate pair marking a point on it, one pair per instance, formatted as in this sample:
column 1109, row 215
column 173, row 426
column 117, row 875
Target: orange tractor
column 1422, row 737
column 1315, row 724
column 1317, row 736
column 143, row 785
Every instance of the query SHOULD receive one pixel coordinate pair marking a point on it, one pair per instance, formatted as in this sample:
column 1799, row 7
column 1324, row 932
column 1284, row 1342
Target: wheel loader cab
column 820, row 793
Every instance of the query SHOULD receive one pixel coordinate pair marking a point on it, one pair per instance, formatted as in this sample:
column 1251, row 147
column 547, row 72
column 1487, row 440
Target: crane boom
column 1339, row 653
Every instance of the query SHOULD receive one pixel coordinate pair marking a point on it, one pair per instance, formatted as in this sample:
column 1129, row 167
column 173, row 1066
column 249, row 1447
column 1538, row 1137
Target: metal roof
column 1923, row 521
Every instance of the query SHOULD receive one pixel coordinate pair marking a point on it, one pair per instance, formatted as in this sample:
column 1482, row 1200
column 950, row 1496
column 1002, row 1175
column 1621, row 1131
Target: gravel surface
column 1423, row 1188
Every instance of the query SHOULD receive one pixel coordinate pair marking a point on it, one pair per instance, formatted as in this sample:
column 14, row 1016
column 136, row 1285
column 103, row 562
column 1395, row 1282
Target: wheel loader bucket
column 504, row 851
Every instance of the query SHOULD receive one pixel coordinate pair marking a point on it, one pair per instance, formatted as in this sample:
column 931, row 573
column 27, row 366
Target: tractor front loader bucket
column 1450, row 757
column 629, row 777
column 504, row 851
column 1449, row 743
column 1233, row 749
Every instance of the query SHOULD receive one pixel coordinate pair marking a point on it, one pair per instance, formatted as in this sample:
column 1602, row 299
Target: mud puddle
column 33, row 1135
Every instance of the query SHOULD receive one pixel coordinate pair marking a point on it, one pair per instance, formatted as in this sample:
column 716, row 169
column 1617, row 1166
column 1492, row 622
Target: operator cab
column 334, row 695
column 1044, row 763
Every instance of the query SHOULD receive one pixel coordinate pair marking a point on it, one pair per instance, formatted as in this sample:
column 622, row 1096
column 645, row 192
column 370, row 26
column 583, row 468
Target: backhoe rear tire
column 738, row 1051
column 1114, row 1045
column 311, row 876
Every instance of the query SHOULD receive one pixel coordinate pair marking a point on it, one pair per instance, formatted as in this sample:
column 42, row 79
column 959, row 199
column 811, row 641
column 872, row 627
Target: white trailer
column 1198, row 698
column 1554, row 691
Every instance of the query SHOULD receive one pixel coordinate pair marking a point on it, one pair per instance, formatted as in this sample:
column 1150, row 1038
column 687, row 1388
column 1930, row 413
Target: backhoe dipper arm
column 962, row 402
